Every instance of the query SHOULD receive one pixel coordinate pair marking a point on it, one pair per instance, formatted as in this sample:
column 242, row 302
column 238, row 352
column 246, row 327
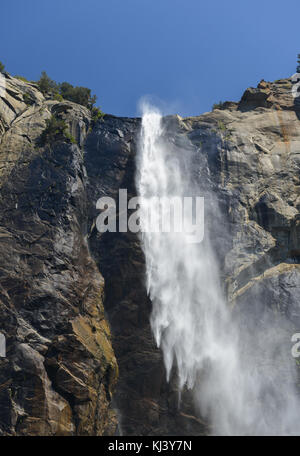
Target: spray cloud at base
column 240, row 371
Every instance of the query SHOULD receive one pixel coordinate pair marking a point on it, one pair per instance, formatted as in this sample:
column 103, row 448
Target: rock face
column 60, row 373
column 60, row 369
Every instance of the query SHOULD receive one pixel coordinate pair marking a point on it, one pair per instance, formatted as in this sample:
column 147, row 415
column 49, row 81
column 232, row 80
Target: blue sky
column 183, row 54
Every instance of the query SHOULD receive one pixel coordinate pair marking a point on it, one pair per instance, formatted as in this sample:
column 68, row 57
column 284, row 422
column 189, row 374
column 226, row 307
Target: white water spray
column 239, row 393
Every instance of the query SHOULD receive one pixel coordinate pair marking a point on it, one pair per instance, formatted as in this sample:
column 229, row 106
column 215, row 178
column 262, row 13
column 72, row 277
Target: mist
column 236, row 361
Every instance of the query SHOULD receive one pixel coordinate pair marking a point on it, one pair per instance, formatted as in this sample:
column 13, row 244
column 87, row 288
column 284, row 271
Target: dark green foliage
column 28, row 99
column 71, row 138
column 96, row 115
column 56, row 129
column 221, row 126
column 57, row 96
column 80, row 95
column 65, row 91
column 218, row 105
column 298, row 64
column 46, row 84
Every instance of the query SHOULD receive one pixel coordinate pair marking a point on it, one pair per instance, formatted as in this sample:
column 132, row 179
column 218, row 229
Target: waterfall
column 237, row 389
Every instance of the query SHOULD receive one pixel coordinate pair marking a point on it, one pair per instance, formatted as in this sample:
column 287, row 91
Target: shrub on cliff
column 66, row 91
column 57, row 96
column 21, row 78
column 28, row 99
column 1, row 67
column 46, row 84
column 218, row 105
column 56, row 129
column 298, row 64
column 96, row 115
column 80, row 95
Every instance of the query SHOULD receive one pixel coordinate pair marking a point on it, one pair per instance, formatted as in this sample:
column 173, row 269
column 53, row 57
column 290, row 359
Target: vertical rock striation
column 60, row 369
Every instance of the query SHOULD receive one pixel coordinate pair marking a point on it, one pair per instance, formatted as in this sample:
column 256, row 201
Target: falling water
column 240, row 393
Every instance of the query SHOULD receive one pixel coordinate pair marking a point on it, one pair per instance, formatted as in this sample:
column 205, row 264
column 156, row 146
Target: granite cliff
column 81, row 359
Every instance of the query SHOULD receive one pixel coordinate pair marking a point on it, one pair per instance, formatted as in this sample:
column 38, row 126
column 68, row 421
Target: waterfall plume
column 241, row 378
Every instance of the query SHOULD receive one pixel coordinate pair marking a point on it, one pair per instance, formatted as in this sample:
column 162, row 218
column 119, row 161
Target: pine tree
column 298, row 64
column 1, row 67
column 46, row 84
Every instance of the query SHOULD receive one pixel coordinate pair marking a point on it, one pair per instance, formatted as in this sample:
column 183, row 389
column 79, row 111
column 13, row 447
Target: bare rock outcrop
column 60, row 370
